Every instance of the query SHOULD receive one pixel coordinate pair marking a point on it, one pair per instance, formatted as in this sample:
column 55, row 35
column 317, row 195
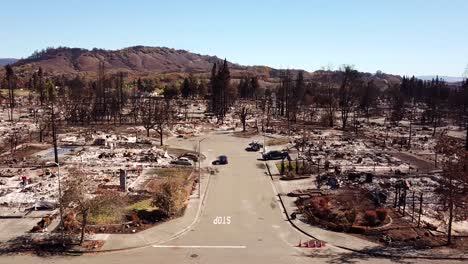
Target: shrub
column 325, row 119
column 370, row 216
column 382, row 214
column 342, row 224
column 331, row 226
column 135, row 219
column 351, row 216
column 170, row 198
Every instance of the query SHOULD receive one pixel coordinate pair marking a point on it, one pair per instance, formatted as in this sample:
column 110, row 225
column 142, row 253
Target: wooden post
column 396, row 197
column 412, row 214
column 399, row 196
column 420, row 208
column 282, row 167
column 404, row 201
column 303, row 167
column 297, row 167
column 318, row 167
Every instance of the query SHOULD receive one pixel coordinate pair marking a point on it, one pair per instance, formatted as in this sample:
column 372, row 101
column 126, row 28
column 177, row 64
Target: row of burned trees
column 346, row 92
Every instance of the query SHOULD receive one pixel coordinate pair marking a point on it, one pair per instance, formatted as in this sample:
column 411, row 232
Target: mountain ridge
column 149, row 62
column 5, row 61
column 450, row 79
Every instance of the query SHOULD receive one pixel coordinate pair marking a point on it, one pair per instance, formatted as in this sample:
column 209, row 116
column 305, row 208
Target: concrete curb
column 364, row 252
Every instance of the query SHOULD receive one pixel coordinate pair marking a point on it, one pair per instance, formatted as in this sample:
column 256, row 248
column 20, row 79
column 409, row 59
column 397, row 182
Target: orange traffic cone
column 322, row 243
column 300, row 243
column 307, row 244
column 314, row 244
column 319, row 244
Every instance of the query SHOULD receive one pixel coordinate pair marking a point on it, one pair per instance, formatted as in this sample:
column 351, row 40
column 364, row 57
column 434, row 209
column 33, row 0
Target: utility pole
column 420, row 208
column 466, row 140
column 412, row 214
column 54, row 135
column 199, row 167
column 410, row 127
column 60, row 202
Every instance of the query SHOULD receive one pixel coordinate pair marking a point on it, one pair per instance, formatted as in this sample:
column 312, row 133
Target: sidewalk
column 347, row 241
column 162, row 232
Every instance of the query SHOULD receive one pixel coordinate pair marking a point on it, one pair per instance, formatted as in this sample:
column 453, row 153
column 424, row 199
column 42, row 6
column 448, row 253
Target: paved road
column 257, row 232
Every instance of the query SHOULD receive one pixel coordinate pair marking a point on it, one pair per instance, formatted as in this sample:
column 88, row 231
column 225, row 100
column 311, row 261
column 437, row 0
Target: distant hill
column 449, row 79
column 5, row 61
column 153, row 61
column 138, row 60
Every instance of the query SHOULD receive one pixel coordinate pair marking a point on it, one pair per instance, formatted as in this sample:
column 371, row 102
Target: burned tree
column 40, row 89
column 297, row 96
column 155, row 114
column 77, row 196
column 10, row 82
column 367, row 98
column 436, row 93
column 147, row 113
column 326, row 96
column 244, row 112
column 453, row 189
column 397, row 102
column 221, row 94
column 347, row 93
column 162, row 115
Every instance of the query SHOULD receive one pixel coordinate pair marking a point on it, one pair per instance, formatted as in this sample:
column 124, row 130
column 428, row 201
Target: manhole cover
column 194, row 255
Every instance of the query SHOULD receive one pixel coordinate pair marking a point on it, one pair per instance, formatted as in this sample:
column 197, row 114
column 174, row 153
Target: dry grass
column 277, row 141
column 165, row 174
column 145, row 205
column 245, row 134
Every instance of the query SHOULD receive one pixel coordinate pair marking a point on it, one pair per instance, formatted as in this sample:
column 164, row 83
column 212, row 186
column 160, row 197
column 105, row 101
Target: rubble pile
column 347, row 155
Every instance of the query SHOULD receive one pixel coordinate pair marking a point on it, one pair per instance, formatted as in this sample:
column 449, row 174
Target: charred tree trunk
column 83, row 227
column 54, row 136
column 449, row 229
column 160, row 136
column 466, row 140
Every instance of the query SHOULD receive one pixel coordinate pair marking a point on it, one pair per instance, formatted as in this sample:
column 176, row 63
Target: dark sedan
column 222, row 160
column 275, row 155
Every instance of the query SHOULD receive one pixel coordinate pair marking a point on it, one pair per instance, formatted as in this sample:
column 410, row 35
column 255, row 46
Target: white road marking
column 175, row 246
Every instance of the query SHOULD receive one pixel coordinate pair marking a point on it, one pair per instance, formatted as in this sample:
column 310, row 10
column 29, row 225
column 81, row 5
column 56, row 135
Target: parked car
column 275, row 155
column 254, row 146
column 190, row 155
column 221, row 160
column 182, row 161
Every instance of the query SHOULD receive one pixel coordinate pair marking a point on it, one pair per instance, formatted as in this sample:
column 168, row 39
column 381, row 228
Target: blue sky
column 403, row 37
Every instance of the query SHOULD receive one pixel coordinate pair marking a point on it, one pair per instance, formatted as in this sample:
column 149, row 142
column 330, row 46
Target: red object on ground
column 314, row 244
column 323, row 244
column 307, row 244
column 300, row 243
column 319, row 245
